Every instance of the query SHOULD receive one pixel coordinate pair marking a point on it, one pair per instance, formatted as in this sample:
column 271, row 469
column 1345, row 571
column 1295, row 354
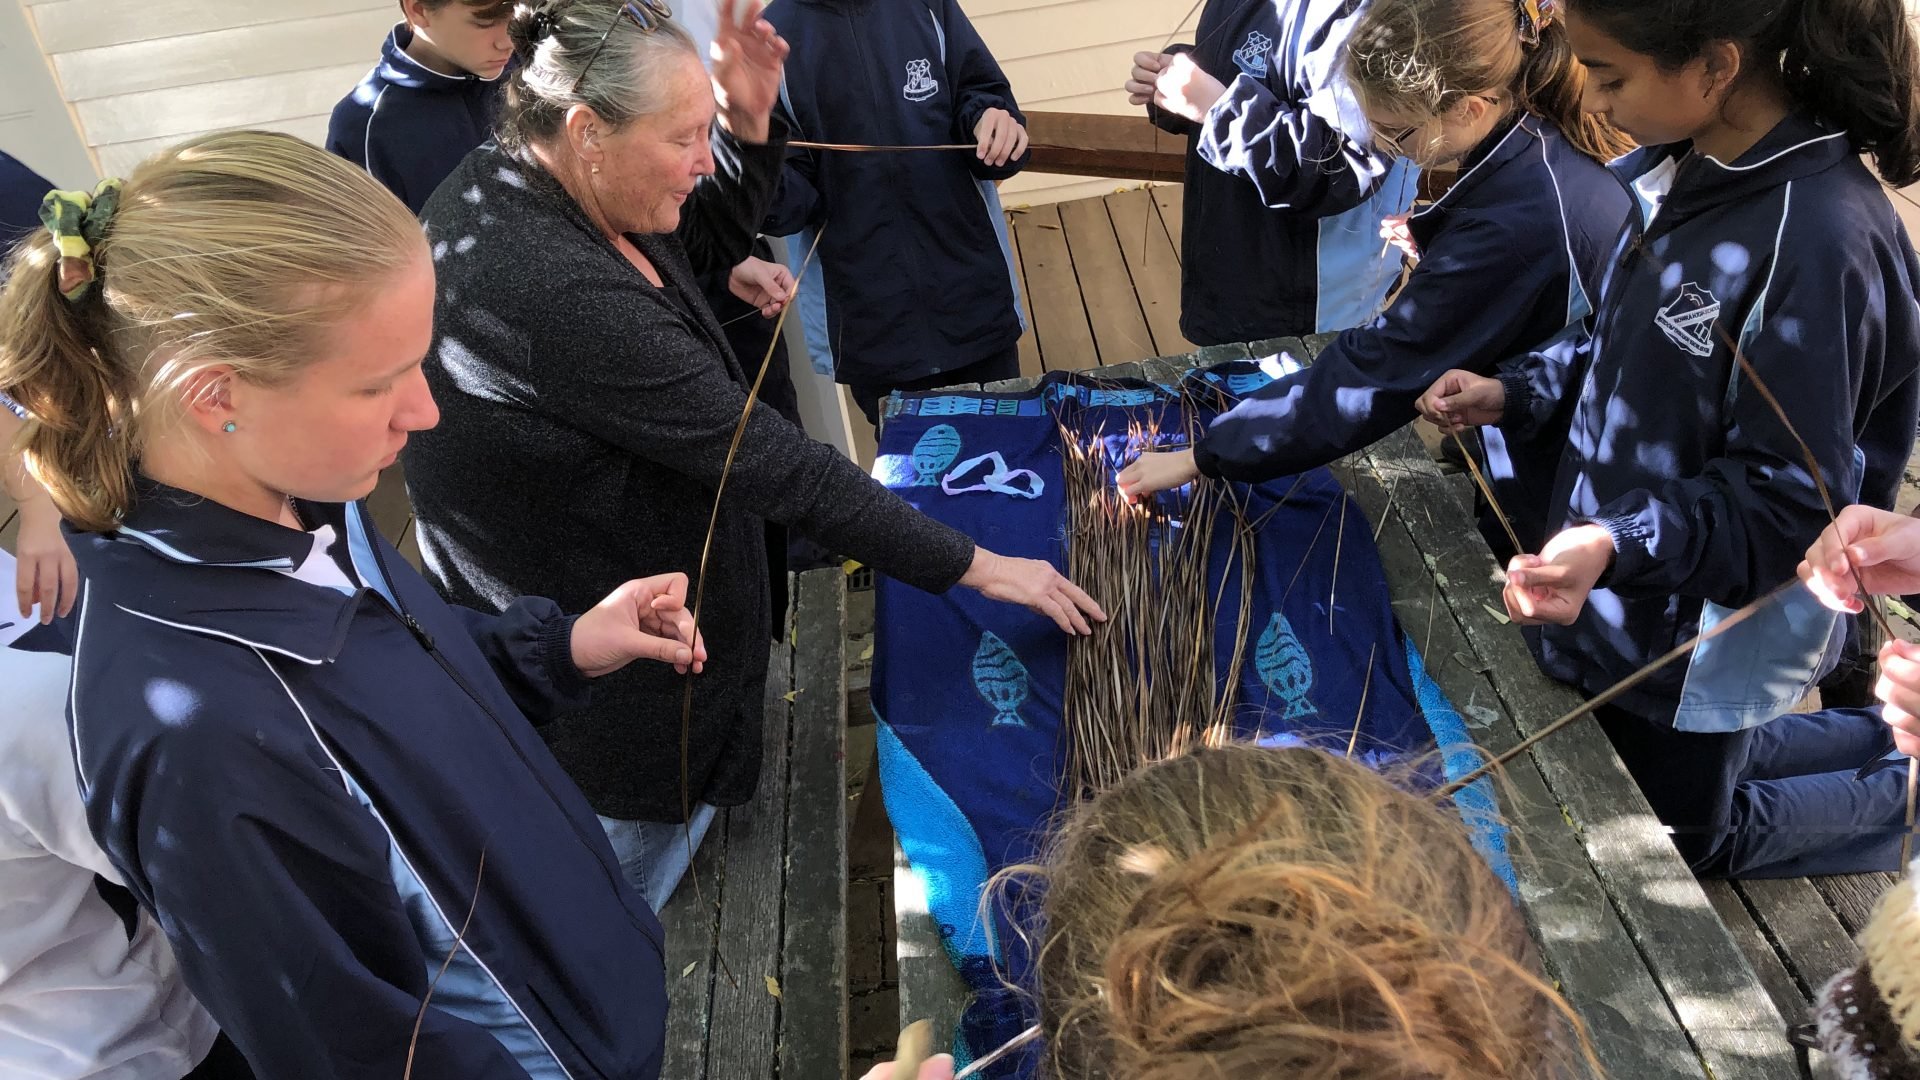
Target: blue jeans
column 1779, row 800
column 654, row 855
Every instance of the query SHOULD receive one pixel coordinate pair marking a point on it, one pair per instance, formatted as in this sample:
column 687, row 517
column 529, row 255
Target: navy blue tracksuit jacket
column 1511, row 255
column 408, row 125
column 1284, row 192
column 1793, row 251
column 300, row 783
column 916, row 278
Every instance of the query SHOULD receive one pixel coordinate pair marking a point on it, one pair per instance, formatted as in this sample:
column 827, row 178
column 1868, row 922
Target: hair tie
column 1536, row 16
column 78, row 221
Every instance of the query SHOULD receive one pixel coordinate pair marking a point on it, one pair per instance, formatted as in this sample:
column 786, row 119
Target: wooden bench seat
column 757, row 936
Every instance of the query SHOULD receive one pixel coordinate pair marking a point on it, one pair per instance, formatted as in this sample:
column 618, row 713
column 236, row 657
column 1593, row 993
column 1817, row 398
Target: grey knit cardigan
column 585, row 418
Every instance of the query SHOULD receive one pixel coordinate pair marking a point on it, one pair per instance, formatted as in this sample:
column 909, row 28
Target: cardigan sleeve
column 629, row 372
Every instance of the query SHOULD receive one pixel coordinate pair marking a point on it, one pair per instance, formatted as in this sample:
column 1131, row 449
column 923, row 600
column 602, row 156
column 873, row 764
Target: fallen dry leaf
column 773, row 986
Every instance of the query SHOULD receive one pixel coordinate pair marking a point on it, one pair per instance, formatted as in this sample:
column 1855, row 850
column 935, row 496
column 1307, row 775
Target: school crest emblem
column 920, row 82
column 1689, row 319
column 1252, row 56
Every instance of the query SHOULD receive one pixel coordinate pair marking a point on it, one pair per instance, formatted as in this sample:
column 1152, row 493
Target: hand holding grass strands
column 645, row 619
column 1553, row 586
column 1884, row 548
column 1000, row 136
column 1173, row 82
column 1154, row 472
column 1885, row 551
column 1393, row 229
column 768, row 286
column 1034, row 585
column 1459, row 400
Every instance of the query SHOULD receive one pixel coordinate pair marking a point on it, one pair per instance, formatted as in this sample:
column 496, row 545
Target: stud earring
column 596, row 170
column 229, row 427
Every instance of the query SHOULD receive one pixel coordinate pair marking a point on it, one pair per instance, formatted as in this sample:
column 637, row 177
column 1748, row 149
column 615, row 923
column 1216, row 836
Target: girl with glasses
column 1509, row 257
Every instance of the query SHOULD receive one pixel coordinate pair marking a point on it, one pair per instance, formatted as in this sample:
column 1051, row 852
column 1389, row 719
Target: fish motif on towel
column 1001, row 680
column 1284, row 667
column 936, row 450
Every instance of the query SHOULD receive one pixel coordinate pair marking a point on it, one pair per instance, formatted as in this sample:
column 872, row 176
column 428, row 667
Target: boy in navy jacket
column 432, row 98
column 1284, row 187
column 918, row 288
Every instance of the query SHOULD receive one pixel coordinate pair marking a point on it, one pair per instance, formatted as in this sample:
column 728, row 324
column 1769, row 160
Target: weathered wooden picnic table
column 1673, row 977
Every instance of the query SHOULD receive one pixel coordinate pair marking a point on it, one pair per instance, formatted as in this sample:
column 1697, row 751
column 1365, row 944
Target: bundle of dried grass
column 1136, row 685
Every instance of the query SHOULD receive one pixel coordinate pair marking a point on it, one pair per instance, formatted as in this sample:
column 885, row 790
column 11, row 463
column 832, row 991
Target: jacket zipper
column 425, row 639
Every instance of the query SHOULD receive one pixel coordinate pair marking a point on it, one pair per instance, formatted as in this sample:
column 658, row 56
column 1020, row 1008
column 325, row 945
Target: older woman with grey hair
column 589, row 399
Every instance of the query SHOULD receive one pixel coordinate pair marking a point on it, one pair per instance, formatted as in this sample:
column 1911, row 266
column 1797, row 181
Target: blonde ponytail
column 240, row 248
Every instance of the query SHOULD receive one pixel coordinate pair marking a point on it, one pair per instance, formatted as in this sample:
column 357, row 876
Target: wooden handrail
column 1092, row 144
column 1129, row 147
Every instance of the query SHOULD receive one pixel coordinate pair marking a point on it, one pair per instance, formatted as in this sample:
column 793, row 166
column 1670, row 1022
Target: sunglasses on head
column 648, row 15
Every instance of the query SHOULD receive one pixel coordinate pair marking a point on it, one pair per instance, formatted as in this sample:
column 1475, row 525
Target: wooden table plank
column 1583, row 943
column 1816, row 946
column 745, row 1015
column 1853, row 896
column 1171, row 200
column 690, row 922
column 813, row 962
column 1059, row 316
column 1149, row 255
column 1029, row 341
column 1780, row 984
column 1113, row 309
column 1700, row 969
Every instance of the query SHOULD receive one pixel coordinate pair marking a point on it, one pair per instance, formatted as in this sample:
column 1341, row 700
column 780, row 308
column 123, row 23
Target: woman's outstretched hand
column 748, row 58
column 1034, row 585
column 645, row 619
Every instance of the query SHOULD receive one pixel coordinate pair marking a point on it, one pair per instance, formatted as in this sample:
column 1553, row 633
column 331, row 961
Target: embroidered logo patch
column 920, row 82
column 1252, row 56
column 1688, row 321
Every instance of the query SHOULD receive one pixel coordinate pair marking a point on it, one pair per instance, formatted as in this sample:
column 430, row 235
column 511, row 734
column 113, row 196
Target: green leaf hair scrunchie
column 78, row 221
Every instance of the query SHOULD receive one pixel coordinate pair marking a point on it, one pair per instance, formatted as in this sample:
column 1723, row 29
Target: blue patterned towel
column 968, row 692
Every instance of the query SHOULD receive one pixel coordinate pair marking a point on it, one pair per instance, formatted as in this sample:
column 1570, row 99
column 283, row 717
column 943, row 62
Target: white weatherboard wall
column 142, row 74
column 35, row 124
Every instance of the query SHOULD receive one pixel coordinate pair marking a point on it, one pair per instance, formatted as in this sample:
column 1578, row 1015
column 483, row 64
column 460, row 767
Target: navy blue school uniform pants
column 1780, row 800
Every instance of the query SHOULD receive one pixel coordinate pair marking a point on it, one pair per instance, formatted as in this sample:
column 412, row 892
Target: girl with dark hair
column 1763, row 255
